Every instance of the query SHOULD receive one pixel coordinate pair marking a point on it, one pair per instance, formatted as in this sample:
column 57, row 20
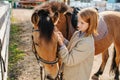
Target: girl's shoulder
column 88, row 39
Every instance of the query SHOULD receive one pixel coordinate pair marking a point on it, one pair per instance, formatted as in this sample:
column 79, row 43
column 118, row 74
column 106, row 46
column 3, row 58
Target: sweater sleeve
column 79, row 53
column 66, row 42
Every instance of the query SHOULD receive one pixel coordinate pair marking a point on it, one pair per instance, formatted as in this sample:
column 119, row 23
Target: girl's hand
column 60, row 38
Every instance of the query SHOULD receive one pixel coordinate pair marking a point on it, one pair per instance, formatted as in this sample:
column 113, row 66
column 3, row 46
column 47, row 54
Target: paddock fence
column 4, row 39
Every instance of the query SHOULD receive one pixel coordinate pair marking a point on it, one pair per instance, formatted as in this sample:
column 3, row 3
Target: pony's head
column 43, row 22
column 45, row 41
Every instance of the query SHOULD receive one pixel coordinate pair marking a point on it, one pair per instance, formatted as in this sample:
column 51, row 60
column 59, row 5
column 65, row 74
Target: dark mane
column 45, row 25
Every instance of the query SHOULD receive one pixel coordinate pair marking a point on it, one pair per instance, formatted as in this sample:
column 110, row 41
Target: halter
column 40, row 59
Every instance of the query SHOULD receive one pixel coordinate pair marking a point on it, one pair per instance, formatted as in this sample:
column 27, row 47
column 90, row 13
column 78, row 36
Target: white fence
column 4, row 39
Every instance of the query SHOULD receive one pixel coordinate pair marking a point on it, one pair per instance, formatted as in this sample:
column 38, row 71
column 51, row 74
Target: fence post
column 4, row 39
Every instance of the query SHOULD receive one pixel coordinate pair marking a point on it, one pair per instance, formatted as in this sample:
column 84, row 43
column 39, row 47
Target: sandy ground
column 30, row 68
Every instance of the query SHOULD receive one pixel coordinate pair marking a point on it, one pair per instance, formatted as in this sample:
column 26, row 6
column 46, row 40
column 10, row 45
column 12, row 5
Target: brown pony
column 45, row 44
column 112, row 20
column 44, row 19
column 62, row 21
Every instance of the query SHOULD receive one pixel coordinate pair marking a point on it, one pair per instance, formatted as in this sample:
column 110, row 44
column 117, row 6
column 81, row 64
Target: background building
column 29, row 3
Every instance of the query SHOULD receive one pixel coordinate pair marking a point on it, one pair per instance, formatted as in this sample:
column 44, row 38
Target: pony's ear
column 68, row 14
column 69, row 11
column 55, row 18
column 35, row 18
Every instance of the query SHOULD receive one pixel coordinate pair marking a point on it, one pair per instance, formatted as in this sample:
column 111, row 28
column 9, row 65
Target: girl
column 78, row 55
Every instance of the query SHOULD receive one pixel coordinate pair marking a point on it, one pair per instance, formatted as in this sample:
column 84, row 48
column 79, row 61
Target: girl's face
column 82, row 25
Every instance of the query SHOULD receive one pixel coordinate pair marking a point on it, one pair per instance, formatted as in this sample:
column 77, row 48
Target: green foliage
column 15, row 54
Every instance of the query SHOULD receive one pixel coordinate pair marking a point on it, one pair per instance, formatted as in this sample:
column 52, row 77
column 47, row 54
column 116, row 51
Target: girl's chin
column 78, row 29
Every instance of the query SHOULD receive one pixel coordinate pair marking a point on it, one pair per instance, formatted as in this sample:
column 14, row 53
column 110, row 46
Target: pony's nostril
column 49, row 77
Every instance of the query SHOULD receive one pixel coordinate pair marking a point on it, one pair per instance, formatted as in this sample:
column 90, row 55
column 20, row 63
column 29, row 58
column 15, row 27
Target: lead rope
column 41, row 72
column 61, row 71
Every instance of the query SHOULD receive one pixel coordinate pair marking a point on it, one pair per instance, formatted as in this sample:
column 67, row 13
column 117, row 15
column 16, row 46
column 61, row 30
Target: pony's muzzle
column 49, row 77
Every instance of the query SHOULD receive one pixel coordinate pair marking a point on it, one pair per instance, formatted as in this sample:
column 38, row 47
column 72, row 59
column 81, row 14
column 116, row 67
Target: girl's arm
column 66, row 42
column 79, row 53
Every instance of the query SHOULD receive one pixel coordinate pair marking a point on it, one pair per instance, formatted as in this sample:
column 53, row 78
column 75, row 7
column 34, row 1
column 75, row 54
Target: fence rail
column 4, row 39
